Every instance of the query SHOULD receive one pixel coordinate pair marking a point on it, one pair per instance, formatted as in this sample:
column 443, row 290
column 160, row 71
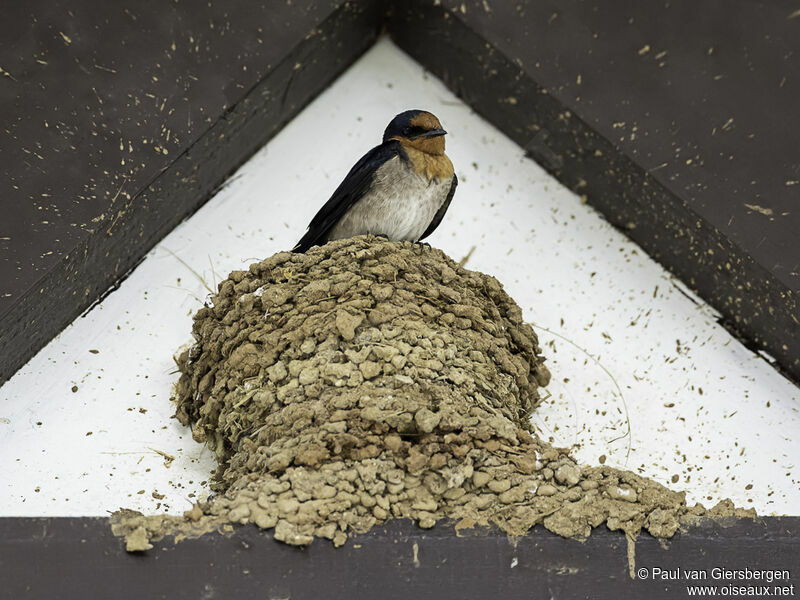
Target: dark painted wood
column 92, row 95
column 79, row 558
column 677, row 120
column 120, row 119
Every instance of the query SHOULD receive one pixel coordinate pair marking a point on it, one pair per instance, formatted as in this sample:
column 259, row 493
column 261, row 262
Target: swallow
column 399, row 190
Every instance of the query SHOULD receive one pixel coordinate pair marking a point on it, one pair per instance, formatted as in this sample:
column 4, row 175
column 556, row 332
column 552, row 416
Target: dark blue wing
column 437, row 218
column 354, row 186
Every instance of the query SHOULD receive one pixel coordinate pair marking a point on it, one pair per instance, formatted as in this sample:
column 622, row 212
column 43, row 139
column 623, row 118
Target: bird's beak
column 433, row 133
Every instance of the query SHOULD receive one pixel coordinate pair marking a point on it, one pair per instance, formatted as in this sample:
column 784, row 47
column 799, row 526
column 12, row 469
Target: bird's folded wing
column 354, row 186
column 437, row 218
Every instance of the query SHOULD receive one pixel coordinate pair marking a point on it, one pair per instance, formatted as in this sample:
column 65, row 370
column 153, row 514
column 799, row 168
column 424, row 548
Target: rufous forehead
column 426, row 120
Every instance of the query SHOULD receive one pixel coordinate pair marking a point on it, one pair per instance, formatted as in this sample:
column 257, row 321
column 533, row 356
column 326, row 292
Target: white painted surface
column 93, row 450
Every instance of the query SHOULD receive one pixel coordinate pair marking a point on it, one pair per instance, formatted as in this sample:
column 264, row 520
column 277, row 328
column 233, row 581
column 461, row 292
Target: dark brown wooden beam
column 119, row 121
column 79, row 558
column 676, row 120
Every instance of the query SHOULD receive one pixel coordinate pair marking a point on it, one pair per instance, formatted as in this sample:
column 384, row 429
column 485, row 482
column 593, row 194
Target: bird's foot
column 423, row 245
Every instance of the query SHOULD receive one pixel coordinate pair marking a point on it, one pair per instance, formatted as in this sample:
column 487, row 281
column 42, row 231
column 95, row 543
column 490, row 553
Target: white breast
column 400, row 204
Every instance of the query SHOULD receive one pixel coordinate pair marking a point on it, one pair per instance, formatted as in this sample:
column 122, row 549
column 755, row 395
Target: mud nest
column 366, row 380
column 309, row 356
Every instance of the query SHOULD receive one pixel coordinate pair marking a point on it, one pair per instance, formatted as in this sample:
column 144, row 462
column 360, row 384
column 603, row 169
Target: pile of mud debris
column 367, row 380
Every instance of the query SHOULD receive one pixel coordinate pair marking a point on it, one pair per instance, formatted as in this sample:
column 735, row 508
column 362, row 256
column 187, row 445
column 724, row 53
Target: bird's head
column 418, row 129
